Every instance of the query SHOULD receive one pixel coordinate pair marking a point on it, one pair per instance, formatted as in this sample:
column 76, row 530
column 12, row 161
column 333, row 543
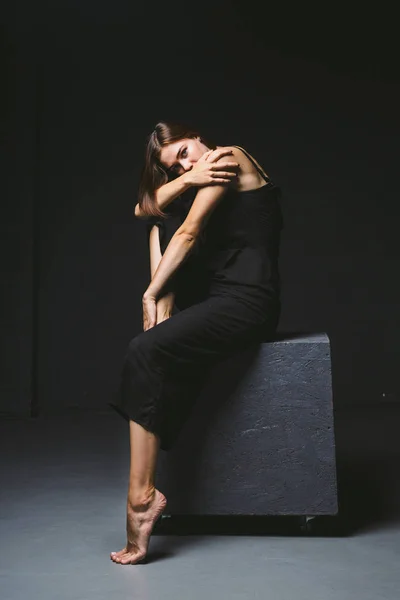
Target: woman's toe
column 127, row 558
column 131, row 558
column 116, row 556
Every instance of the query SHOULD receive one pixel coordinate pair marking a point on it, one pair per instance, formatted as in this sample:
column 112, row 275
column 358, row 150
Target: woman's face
column 180, row 156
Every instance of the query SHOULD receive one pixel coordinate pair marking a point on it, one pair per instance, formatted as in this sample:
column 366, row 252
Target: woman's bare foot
column 139, row 525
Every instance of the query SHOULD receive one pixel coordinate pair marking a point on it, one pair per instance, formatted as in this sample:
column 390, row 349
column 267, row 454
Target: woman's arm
column 180, row 246
column 168, row 192
column 165, row 304
column 208, row 169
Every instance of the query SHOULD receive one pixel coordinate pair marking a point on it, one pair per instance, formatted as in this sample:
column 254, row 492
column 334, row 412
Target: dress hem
column 163, row 445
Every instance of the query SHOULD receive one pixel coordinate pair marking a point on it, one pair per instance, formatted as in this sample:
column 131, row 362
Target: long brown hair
column 154, row 174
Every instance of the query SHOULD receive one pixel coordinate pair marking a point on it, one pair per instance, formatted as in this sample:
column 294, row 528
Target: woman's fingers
column 228, row 174
column 224, row 165
column 219, row 153
column 214, row 155
column 206, row 155
column 205, row 171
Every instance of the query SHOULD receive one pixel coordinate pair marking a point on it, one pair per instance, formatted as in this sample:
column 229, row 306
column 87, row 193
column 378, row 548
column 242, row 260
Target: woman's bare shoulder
column 234, row 149
column 238, row 155
column 250, row 175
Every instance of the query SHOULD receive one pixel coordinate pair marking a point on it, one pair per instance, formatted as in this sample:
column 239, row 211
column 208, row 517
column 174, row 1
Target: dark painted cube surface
column 260, row 440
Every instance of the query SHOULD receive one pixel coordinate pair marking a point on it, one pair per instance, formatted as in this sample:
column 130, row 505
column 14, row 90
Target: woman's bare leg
column 145, row 503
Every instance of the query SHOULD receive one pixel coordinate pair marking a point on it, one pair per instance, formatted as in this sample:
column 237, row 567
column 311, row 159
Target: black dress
column 228, row 295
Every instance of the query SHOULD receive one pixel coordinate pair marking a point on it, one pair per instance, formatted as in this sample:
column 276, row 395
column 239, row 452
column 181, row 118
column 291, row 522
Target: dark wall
column 17, row 189
column 322, row 119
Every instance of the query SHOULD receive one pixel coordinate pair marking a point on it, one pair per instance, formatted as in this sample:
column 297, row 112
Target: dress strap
column 263, row 175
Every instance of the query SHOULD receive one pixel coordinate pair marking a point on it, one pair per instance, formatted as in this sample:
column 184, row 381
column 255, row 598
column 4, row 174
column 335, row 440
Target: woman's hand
column 165, row 306
column 149, row 311
column 156, row 311
column 206, row 172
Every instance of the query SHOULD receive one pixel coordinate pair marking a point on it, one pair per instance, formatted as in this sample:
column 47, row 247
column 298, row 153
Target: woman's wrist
column 186, row 179
column 149, row 295
column 171, row 190
column 164, row 197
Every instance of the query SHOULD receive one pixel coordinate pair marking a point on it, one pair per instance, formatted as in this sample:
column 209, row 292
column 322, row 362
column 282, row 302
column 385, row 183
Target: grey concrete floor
column 62, row 501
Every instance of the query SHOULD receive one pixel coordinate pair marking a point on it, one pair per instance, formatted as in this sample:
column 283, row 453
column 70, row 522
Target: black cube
column 260, row 440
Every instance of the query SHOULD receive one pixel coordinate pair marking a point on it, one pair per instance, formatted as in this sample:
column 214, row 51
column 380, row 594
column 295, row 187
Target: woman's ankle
column 140, row 499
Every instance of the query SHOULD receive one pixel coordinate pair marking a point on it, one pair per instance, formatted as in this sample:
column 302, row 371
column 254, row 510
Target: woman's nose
column 187, row 165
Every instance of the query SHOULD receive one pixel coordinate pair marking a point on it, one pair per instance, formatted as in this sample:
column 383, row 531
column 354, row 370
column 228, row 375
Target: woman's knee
column 143, row 346
column 136, row 344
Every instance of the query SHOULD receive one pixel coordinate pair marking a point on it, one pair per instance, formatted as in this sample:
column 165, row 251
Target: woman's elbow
column 188, row 235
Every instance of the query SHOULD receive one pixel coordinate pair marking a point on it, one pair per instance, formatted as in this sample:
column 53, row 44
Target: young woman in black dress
column 214, row 255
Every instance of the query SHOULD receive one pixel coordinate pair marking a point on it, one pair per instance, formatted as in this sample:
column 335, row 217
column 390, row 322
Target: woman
column 215, row 255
